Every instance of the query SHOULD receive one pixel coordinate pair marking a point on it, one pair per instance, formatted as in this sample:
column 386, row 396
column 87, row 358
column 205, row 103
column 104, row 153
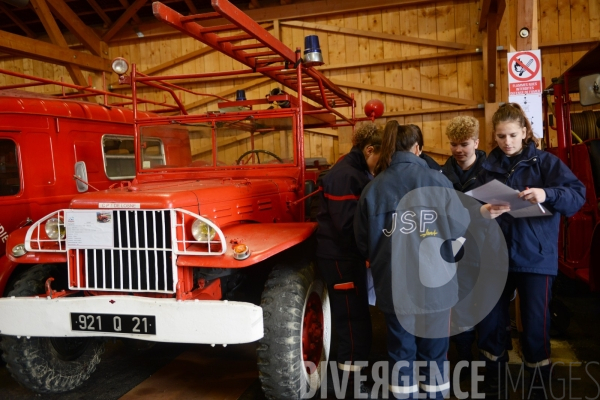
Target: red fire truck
column 578, row 145
column 208, row 244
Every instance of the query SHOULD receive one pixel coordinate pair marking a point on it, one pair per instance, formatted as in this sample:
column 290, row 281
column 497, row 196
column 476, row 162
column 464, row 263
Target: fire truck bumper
column 151, row 319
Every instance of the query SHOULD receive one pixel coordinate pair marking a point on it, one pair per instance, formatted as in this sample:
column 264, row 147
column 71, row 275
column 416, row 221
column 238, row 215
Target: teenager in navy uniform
column 540, row 178
column 342, row 267
column 462, row 169
column 380, row 235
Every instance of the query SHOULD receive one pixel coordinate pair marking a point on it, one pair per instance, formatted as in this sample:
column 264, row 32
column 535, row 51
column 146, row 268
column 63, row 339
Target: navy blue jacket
column 450, row 167
column 430, row 162
column 342, row 187
column 396, row 258
column 533, row 242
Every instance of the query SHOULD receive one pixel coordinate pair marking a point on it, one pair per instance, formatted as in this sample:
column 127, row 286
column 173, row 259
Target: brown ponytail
column 512, row 112
column 395, row 138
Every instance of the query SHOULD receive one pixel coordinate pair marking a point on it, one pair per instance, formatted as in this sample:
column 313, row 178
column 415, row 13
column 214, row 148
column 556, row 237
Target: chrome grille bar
column 127, row 266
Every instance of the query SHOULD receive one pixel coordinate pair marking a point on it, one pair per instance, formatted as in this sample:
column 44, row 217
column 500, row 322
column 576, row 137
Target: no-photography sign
column 524, row 73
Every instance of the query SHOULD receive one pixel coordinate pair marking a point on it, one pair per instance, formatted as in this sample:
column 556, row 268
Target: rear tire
column 48, row 365
column 297, row 325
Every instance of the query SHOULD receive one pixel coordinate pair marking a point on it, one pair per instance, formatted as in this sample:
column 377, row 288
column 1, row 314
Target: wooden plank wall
column 359, row 58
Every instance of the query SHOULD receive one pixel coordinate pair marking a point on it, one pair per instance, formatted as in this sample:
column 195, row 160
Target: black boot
column 464, row 347
column 494, row 382
column 539, row 388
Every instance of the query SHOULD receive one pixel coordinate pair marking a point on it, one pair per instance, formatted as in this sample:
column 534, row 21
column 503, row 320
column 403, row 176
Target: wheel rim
column 69, row 349
column 312, row 332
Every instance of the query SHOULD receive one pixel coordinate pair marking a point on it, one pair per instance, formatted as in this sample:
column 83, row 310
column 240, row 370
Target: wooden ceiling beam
column 399, row 60
column 378, row 35
column 406, row 93
column 17, row 21
column 75, row 25
column 134, row 17
column 227, row 92
column 43, row 11
column 126, row 16
column 289, row 12
column 191, row 6
column 22, row 46
column 100, row 12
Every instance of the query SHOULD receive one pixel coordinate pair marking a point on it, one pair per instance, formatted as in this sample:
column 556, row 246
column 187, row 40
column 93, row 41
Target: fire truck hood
column 165, row 195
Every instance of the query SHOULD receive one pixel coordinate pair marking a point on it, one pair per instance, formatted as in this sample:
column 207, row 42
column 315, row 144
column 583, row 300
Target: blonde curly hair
column 367, row 134
column 462, row 128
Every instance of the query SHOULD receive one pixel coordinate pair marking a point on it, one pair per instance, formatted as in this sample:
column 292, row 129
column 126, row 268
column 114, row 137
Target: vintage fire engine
column 208, row 244
column 578, row 145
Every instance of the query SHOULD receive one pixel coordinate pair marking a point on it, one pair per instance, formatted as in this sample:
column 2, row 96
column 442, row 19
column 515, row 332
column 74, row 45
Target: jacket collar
column 407, row 157
column 356, row 158
column 497, row 161
column 450, row 173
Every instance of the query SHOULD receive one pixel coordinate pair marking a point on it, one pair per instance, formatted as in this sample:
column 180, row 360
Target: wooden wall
column 395, row 54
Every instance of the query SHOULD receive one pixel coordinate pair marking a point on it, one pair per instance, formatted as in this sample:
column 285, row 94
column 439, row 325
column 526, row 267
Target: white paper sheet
column 89, row 229
column 497, row 193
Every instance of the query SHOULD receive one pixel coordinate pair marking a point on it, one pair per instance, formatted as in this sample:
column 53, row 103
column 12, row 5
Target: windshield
column 242, row 142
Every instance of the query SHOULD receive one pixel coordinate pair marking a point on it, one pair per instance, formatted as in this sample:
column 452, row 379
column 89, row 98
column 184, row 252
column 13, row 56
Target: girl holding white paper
column 540, row 178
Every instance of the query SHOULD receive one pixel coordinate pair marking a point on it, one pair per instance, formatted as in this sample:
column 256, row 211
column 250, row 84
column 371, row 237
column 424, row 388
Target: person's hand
column 534, row 196
column 491, row 211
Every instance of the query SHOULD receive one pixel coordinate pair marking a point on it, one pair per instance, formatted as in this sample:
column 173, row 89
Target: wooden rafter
column 126, row 16
column 180, row 60
column 134, row 17
column 191, row 6
column 227, row 92
column 22, row 46
column 43, row 11
column 293, row 11
column 402, row 92
column 85, row 34
column 525, row 20
column 100, row 12
column 378, row 35
column 373, row 63
column 424, row 111
column 17, row 21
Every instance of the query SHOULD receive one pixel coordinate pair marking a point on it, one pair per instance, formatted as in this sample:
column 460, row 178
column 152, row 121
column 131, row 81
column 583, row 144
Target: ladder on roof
column 266, row 55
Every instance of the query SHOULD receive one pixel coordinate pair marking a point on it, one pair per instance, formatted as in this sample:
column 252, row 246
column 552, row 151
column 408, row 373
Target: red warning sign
column 524, row 73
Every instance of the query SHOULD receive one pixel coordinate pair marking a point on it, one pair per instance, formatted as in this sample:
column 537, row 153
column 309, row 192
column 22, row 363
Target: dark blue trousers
column 405, row 347
column 535, row 292
column 348, row 297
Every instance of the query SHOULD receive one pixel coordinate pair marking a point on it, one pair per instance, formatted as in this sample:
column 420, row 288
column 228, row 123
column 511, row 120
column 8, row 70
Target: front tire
column 48, row 365
column 293, row 354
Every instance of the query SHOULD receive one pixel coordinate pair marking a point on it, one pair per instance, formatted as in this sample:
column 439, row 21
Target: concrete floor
column 202, row 372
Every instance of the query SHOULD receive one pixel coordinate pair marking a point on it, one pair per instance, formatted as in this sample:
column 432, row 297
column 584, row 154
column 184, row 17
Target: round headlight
column 19, row 250
column 120, row 65
column 55, row 229
column 202, row 232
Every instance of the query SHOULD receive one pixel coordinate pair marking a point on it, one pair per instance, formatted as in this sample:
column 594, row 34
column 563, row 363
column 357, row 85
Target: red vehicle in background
column 210, row 243
column 578, row 145
column 44, row 142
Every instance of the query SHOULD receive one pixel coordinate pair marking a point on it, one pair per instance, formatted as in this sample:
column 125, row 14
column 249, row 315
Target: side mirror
column 589, row 90
column 81, row 172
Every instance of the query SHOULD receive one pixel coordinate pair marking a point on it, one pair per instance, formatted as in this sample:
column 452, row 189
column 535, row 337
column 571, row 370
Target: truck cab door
column 13, row 203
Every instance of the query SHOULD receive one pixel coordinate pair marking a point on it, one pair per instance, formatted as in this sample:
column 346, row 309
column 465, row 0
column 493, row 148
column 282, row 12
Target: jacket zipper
column 515, row 167
column 463, row 186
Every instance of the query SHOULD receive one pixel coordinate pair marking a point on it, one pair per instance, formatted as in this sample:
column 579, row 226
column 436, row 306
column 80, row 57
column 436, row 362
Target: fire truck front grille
column 140, row 261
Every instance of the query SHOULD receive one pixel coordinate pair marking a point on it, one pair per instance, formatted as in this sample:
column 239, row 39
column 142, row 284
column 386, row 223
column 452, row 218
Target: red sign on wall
column 524, row 73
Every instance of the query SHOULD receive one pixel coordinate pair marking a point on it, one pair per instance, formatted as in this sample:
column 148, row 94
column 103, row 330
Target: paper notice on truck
column 89, row 229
